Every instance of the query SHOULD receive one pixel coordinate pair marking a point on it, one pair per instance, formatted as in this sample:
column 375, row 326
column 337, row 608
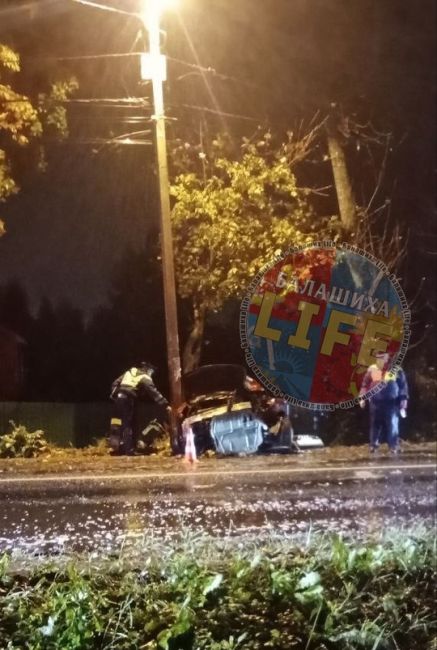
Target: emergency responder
column 387, row 404
column 126, row 390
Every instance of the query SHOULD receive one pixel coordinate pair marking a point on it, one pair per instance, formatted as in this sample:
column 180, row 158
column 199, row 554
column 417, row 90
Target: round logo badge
column 317, row 317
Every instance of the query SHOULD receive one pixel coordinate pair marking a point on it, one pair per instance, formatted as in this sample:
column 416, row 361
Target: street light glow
column 156, row 7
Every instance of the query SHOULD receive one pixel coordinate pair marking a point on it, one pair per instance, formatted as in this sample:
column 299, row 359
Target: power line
column 112, row 119
column 119, row 55
column 212, row 71
column 126, row 141
column 205, row 109
column 200, row 68
column 142, row 102
column 96, row 5
column 89, row 57
column 110, row 102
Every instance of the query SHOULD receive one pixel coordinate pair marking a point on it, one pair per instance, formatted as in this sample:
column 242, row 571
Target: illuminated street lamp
column 153, row 66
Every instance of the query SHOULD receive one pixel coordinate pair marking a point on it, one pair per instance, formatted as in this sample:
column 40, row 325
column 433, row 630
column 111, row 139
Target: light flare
column 156, row 7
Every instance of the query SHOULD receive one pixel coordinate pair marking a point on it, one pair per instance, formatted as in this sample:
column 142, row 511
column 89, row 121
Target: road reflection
column 362, row 505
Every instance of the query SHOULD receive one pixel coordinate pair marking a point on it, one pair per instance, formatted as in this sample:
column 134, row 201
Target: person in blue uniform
column 387, row 405
column 126, row 390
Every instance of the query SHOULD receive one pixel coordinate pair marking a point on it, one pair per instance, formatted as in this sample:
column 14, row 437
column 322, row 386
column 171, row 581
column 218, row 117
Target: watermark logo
column 316, row 317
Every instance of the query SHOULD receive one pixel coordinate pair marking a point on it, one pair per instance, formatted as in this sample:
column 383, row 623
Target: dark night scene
column 218, row 358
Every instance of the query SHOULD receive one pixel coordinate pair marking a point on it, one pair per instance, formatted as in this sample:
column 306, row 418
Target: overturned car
column 230, row 413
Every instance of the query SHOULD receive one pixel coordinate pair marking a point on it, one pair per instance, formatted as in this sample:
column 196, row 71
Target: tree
column 23, row 123
column 359, row 155
column 19, row 122
column 345, row 196
column 57, row 354
column 131, row 327
column 231, row 216
column 43, row 380
column 14, row 309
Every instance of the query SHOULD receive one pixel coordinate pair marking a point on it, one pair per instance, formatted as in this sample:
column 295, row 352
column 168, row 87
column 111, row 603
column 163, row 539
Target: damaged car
column 230, row 413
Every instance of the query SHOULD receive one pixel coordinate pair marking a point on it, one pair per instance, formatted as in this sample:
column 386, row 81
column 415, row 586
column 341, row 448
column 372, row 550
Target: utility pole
column 157, row 66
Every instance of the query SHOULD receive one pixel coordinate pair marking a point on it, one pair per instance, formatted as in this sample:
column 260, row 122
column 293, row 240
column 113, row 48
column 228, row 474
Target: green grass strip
column 205, row 594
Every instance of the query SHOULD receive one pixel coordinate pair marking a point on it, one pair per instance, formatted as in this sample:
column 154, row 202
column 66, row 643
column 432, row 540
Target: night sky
column 281, row 61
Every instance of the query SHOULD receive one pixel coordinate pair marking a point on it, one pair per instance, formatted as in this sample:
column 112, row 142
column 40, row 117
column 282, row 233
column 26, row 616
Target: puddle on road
column 107, row 524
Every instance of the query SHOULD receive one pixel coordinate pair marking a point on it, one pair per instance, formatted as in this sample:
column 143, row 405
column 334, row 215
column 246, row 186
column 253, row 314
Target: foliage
column 234, row 210
column 232, row 215
column 422, row 374
column 99, row 449
column 52, row 111
column 21, row 122
column 202, row 594
column 21, row 443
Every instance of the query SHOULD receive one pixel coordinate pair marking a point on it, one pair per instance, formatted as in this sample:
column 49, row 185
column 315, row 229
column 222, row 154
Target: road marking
column 367, row 473
column 193, row 472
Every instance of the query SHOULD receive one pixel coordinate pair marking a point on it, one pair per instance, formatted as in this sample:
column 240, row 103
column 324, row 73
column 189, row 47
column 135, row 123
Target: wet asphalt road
column 103, row 513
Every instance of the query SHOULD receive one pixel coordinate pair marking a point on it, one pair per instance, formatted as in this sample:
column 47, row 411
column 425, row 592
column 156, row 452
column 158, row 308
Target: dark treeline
column 68, row 357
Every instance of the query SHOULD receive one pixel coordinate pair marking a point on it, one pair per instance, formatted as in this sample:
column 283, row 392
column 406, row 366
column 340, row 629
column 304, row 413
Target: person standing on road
column 126, row 390
column 386, row 405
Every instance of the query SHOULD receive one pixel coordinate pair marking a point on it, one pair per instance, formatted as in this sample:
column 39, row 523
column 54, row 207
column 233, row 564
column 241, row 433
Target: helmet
column 147, row 366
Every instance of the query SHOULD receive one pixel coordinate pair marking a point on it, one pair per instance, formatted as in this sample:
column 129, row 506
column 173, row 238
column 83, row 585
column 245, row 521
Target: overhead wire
column 119, row 55
column 205, row 80
column 212, row 71
column 218, row 112
column 106, row 103
column 86, row 57
column 111, row 102
column 133, row 102
column 97, row 5
column 144, row 101
column 139, row 119
column 131, row 134
column 107, row 141
column 202, row 70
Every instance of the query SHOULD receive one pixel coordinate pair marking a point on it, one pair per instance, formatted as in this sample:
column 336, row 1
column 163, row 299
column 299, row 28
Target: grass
column 318, row 593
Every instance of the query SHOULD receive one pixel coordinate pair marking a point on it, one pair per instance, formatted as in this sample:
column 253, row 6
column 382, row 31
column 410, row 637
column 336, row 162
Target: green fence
column 65, row 424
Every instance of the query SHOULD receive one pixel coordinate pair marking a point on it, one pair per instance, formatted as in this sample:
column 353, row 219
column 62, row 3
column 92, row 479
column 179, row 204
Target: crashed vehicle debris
column 230, row 413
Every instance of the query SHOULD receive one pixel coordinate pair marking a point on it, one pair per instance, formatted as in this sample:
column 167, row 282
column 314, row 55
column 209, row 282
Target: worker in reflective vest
column 386, row 405
column 125, row 392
